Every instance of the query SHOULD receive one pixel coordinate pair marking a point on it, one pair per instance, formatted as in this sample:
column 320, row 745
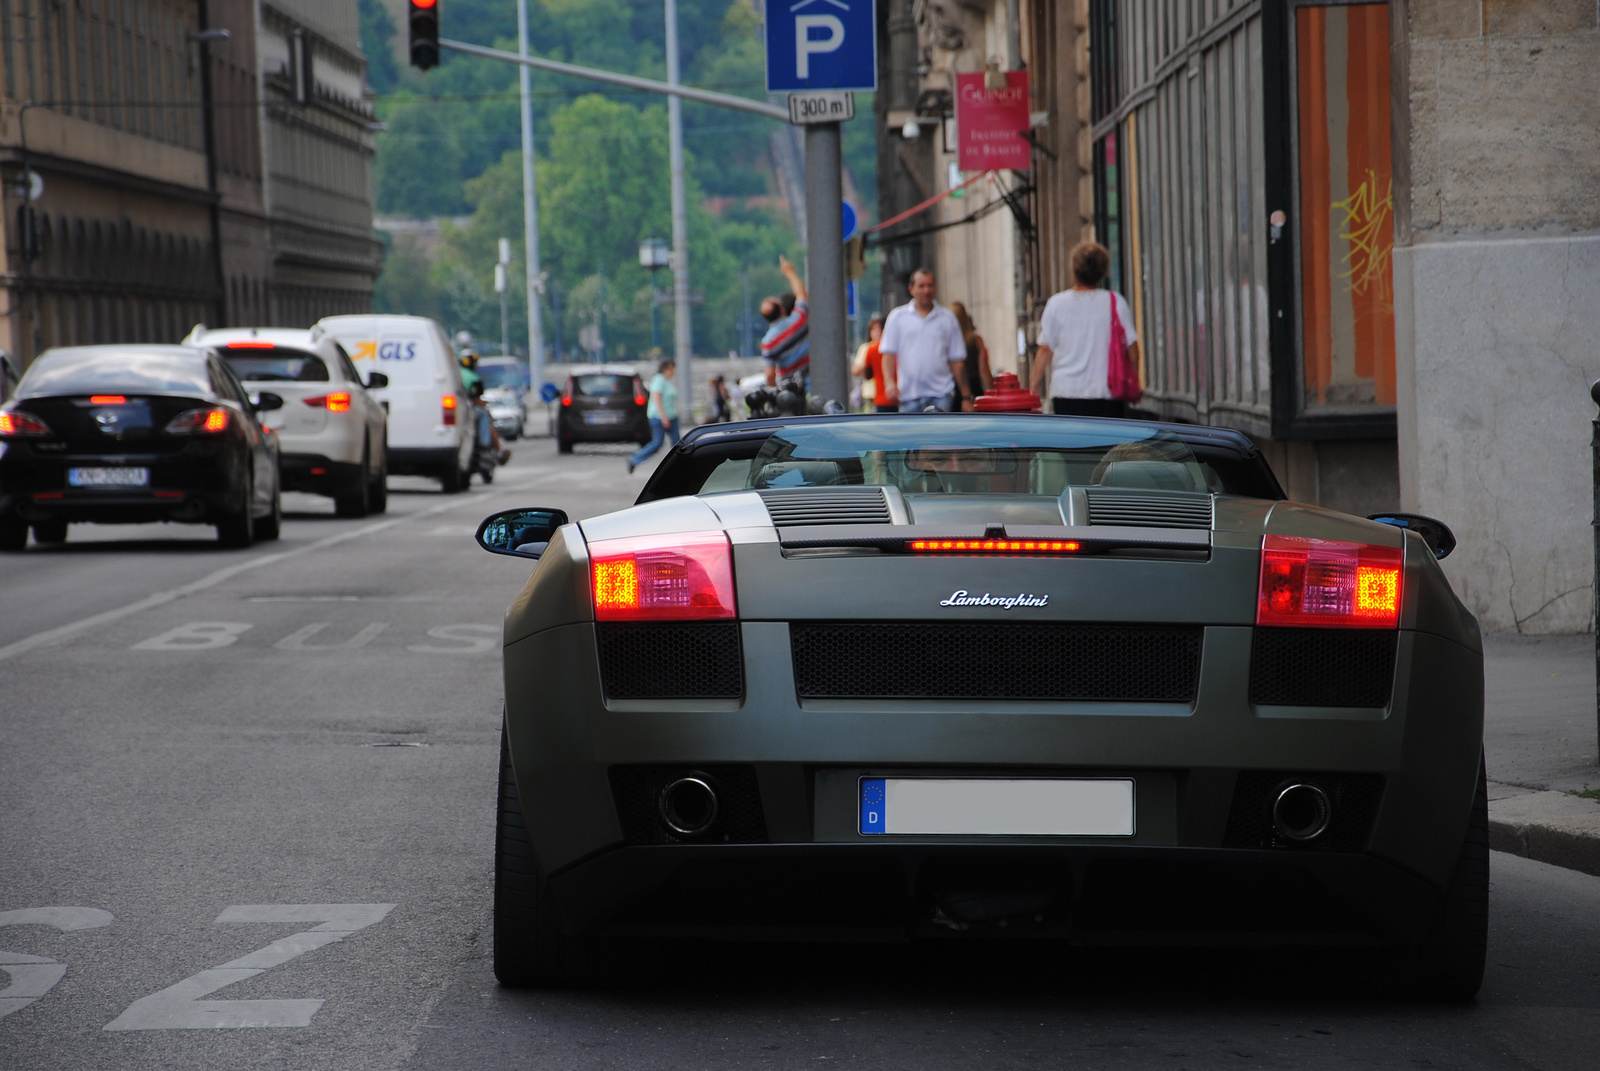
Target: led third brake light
column 1325, row 583
column 682, row 577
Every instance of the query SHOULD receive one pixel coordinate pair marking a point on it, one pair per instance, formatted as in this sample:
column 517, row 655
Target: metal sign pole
column 682, row 326
column 530, row 207
column 825, row 264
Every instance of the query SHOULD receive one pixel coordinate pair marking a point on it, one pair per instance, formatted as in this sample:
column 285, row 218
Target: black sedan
column 601, row 407
column 135, row 434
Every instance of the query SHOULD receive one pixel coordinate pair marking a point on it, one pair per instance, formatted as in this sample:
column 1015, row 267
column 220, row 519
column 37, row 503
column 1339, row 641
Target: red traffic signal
column 424, row 24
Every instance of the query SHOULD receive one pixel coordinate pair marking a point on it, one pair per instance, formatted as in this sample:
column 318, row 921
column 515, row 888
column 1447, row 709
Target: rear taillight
column 337, row 402
column 449, row 404
column 639, row 399
column 199, row 421
column 686, row 577
column 1325, row 583
column 15, row 425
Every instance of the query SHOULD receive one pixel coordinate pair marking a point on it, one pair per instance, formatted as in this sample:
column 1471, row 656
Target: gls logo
column 397, row 350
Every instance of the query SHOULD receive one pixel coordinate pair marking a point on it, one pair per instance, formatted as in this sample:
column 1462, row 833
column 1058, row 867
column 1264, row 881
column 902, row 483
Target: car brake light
column 107, row 399
column 15, row 425
column 337, row 402
column 639, row 399
column 199, row 420
column 1325, row 583
column 251, row 344
column 684, row 577
column 449, row 403
column 992, row 546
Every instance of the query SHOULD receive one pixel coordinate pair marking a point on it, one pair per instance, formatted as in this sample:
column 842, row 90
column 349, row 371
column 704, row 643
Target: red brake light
column 1325, row 583
column 992, row 546
column 252, row 344
column 684, row 577
column 199, row 420
column 15, row 425
column 639, row 399
column 107, row 399
column 449, row 403
column 337, row 402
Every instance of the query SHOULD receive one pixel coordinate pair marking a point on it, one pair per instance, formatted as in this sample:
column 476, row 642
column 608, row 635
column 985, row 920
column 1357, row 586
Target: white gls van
column 430, row 413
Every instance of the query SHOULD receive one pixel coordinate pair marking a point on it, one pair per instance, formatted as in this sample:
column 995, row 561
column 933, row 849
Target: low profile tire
column 237, row 531
column 356, row 502
column 378, row 493
column 563, row 446
column 529, row 948
column 270, row 527
column 13, row 535
column 1451, row 960
column 50, row 533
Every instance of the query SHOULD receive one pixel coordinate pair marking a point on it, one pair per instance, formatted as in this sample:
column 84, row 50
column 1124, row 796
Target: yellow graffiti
column 1365, row 223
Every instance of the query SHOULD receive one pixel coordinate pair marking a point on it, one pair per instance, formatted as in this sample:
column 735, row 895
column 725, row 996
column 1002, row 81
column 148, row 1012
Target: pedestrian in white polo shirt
column 924, row 355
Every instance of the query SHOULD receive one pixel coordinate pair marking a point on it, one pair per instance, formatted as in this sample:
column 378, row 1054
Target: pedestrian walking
column 662, row 411
column 1075, row 339
column 979, row 377
column 924, row 357
column 868, row 365
column 720, row 413
column 786, row 347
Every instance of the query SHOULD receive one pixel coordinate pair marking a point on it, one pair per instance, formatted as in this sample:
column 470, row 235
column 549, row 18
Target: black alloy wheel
column 49, row 533
column 452, row 481
column 563, row 444
column 378, row 493
column 13, row 535
column 237, row 530
column 1451, row 960
column 271, row 526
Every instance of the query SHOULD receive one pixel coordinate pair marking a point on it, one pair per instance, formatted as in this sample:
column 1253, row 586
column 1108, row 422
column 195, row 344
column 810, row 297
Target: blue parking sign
column 821, row 44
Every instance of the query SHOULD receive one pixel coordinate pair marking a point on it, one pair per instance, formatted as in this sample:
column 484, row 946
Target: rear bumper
column 422, row 461
column 572, row 428
column 193, row 486
column 319, row 475
column 1086, row 894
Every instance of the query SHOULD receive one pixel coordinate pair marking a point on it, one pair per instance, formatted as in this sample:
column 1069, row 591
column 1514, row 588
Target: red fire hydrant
column 1007, row 396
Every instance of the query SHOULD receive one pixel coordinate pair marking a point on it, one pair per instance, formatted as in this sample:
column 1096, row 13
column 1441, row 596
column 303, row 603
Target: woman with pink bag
column 1087, row 343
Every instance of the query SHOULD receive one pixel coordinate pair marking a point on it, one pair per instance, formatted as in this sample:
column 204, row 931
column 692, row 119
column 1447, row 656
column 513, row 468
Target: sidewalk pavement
column 1540, row 746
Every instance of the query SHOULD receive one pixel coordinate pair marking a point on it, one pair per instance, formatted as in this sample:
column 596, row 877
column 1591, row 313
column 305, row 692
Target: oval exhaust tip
column 1301, row 812
column 688, row 806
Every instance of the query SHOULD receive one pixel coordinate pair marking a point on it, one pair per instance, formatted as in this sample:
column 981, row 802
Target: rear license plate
column 1024, row 807
column 603, row 416
column 118, row 477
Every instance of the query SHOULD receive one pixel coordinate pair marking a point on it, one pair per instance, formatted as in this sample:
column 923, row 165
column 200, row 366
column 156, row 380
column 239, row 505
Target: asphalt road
column 258, row 788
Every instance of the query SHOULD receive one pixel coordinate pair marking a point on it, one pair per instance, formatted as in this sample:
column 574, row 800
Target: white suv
column 333, row 435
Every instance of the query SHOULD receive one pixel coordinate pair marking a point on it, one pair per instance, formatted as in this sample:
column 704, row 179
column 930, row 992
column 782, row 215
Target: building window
column 1104, row 97
column 1346, row 206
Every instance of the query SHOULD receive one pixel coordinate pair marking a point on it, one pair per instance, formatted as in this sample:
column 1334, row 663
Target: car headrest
column 1148, row 475
column 798, row 474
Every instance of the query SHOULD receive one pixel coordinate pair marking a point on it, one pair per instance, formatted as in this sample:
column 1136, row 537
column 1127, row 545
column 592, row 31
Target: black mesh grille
column 987, row 661
column 1354, row 799
column 677, row 660
column 1322, row 667
column 637, row 792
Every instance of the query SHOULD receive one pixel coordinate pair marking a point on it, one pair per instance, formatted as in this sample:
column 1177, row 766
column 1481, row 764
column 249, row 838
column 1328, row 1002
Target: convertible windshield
column 938, row 455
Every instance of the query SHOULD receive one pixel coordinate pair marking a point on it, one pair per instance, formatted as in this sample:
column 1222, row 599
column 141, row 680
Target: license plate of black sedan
column 125, row 476
column 997, row 807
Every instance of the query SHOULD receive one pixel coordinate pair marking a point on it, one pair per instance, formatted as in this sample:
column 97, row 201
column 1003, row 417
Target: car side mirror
column 524, row 533
column 376, row 380
column 1440, row 539
column 266, row 402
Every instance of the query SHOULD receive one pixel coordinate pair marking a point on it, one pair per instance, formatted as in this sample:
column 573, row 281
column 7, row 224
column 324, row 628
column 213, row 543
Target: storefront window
column 1346, row 218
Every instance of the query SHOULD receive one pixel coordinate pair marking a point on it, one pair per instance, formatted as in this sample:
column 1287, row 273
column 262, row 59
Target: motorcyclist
column 488, row 439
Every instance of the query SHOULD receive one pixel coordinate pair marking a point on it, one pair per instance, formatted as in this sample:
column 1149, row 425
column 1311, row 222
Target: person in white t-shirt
column 924, row 355
column 1075, row 339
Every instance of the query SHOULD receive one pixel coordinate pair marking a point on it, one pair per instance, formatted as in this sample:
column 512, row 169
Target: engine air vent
column 1149, row 509
column 833, row 505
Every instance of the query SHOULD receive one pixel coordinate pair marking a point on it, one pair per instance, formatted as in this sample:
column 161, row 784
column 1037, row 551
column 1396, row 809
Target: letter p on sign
column 806, row 45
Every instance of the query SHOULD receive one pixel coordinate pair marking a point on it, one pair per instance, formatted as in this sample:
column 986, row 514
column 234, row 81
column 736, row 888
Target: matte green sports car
column 966, row 675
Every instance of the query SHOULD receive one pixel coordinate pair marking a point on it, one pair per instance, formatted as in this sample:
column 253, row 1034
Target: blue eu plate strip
column 873, row 800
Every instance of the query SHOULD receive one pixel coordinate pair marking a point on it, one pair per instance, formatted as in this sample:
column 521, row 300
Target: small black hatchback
column 135, row 434
column 601, row 407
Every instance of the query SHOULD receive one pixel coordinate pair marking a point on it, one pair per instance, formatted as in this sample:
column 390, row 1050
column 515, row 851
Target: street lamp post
column 654, row 254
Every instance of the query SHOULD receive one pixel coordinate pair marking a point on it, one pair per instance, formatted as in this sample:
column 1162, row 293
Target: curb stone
column 1549, row 827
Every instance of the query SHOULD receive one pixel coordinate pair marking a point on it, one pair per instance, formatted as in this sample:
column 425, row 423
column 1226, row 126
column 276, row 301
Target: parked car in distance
column 135, row 434
column 332, row 435
column 505, row 388
column 601, row 404
column 430, row 412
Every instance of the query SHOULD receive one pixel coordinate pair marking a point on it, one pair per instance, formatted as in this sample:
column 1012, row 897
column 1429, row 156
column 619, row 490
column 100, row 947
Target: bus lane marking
column 34, row 976
column 479, row 639
column 179, row 1007
column 296, row 640
column 195, row 636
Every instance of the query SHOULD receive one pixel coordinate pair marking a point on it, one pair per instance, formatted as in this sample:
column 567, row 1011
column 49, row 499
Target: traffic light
column 424, row 34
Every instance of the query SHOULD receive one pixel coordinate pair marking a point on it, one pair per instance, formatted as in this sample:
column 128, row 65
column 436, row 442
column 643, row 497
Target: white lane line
column 161, row 598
